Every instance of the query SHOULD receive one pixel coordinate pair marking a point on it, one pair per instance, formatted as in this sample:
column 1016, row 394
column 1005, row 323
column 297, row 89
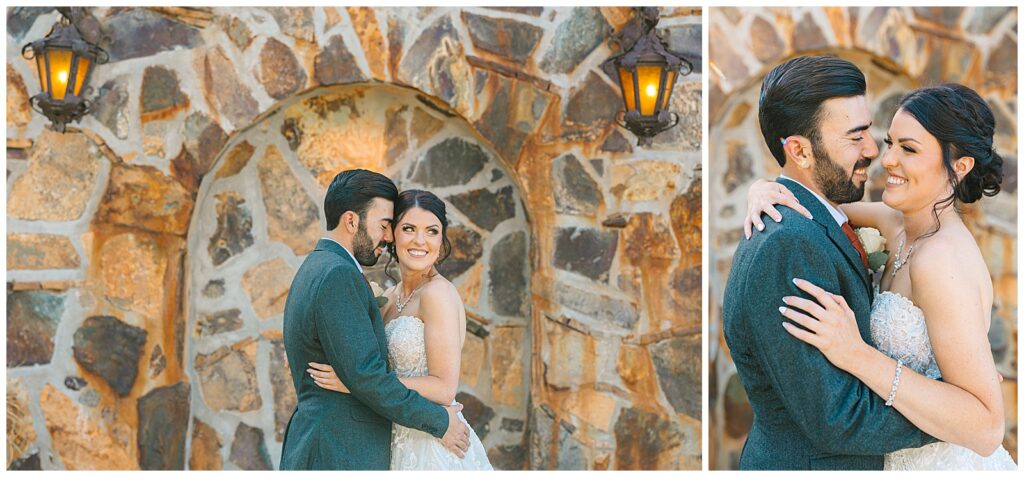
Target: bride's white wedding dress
column 412, row 449
column 898, row 329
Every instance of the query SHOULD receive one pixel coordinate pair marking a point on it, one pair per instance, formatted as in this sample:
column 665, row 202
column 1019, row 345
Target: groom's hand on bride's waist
column 456, row 439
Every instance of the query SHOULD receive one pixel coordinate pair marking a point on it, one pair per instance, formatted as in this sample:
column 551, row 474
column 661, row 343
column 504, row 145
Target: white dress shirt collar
column 837, row 214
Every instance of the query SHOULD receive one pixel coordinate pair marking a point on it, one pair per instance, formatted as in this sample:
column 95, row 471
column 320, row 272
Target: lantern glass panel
column 41, row 67
column 626, row 80
column 649, row 77
column 83, row 69
column 670, row 81
column 60, row 69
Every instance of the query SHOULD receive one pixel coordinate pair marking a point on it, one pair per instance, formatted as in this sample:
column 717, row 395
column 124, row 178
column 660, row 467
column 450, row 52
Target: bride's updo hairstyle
column 963, row 125
column 414, row 198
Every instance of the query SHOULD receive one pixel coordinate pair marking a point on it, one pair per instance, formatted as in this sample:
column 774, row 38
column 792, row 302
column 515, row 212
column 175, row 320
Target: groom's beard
column 363, row 247
column 833, row 180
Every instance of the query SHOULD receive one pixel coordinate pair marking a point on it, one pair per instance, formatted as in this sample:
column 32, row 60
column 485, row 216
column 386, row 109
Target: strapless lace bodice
column 413, row 449
column 407, row 351
column 899, row 330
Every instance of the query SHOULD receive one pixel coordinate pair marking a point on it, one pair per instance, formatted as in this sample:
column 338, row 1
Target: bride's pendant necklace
column 897, row 262
column 400, row 305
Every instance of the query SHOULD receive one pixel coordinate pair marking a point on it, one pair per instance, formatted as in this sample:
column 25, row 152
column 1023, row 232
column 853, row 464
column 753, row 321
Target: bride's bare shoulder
column 439, row 288
column 949, row 261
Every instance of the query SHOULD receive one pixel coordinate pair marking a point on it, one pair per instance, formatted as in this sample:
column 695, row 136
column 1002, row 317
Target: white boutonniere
column 874, row 244
column 378, row 294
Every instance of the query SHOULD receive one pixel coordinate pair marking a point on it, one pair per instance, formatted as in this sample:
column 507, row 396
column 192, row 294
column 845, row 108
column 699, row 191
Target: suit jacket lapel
column 835, row 233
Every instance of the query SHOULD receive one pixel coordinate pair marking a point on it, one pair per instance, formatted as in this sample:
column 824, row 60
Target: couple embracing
column 376, row 385
column 843, row 372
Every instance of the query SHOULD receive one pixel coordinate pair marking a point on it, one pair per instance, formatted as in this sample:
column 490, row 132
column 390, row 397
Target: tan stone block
column 292, row 217
column 145, row 197
column 644, row 180
column 227, row 377
column 20, row 432
column 267, row 285
column 19, row 112
column 81, row 442
column 424, row 125
column 235, row 160
column 60, row 177
column 40, row 252
column 648, row 237
column 474, row 351
column 507, row 350
column 593, row 407
column 334, row 134
column 364, row 22
column 469, row 289
column 206, row 445
column 636, row 370
column 133, row 272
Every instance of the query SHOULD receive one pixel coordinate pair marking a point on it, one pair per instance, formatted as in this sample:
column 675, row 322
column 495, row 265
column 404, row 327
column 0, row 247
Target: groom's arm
column 829, row 405
column 346, row 332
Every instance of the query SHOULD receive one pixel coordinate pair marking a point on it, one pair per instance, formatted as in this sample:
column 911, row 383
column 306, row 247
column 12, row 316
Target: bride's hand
column 762, row 197
column 323, row 375
column 831, row 326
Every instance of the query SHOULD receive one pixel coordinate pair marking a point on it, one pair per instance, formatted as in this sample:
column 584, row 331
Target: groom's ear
column 350, row 220
column 798, row 149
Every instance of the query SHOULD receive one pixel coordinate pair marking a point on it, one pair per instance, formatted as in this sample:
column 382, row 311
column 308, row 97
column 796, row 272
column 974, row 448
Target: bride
column 425, row 325
column 931, row 318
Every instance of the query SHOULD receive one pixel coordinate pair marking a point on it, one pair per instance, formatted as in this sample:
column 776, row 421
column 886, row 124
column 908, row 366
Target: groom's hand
column 456, row 439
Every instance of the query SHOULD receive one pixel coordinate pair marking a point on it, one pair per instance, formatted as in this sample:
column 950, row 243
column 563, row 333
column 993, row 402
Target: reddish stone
column 280, row 73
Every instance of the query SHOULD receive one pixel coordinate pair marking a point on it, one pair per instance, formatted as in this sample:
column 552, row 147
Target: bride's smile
column 916, row 178
column 418, row 239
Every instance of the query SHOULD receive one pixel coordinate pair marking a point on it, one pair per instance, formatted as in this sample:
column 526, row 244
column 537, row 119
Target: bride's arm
column 872, row 214
column 966, row 407
column 442, row 332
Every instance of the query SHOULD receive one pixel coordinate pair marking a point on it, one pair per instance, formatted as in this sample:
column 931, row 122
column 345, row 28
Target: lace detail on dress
column 899, row 330
column 412, row 449
column 407, row 352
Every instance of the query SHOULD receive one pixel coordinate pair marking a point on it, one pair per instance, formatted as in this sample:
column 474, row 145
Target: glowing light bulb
column 651, row 90
column 63, row 77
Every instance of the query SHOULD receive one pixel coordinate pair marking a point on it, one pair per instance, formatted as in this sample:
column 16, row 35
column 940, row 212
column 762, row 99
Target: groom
column 808, row 414
column 331, row 317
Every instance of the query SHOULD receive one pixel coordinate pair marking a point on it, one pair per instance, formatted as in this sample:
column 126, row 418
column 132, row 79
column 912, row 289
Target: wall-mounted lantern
column 64, row 61
column 646, row 71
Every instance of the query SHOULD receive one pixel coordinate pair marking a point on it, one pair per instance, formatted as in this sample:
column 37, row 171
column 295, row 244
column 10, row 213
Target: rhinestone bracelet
column 895, row 383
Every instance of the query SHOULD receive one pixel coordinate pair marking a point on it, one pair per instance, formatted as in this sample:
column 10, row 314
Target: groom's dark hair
column 792, row 94
column 354, row 190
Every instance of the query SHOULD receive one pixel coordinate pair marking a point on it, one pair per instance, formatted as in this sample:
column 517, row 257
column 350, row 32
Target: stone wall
column 150, row 248
column 898, row 49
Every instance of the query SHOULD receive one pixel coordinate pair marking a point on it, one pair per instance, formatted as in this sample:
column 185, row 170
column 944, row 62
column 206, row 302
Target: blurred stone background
column 898, row 49
column 150, row 248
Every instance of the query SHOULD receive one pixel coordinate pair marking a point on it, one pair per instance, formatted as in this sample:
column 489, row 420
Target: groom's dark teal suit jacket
column 331, row 317
column 808, row 414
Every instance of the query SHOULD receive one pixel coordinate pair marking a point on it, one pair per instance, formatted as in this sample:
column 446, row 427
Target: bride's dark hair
column 964, row 125
column 429, row 202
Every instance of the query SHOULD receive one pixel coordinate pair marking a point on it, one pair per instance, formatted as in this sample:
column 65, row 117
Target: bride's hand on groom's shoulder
column 828, row 322
column 323, row 375
column 762, row 197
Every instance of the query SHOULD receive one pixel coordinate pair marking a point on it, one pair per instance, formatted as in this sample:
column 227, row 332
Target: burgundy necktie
column 856, row 243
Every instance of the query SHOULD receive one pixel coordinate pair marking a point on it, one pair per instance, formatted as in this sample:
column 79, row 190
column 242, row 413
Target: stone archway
column 259, row 212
